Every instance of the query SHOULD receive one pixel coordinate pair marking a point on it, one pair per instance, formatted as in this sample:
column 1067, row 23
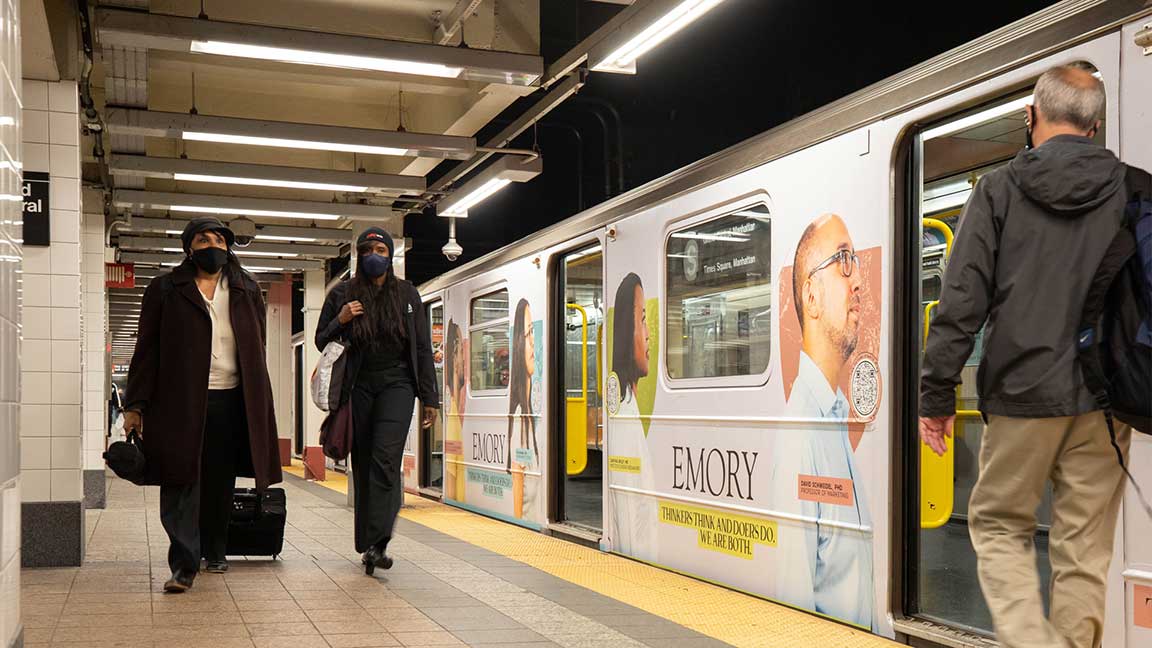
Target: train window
column 488, row 316
column 719, row 296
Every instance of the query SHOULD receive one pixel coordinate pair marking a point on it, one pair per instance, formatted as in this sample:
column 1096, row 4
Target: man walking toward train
column 1029, row 242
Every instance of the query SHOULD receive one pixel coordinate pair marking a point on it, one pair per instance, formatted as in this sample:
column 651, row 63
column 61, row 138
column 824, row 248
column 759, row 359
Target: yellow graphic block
column 735, row 535
column 624, row 464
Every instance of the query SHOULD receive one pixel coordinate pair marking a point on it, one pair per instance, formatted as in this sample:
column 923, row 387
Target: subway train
column 639, row 378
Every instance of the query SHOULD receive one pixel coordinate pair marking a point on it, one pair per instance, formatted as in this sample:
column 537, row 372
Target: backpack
column 1115, row 339
column 328, row 376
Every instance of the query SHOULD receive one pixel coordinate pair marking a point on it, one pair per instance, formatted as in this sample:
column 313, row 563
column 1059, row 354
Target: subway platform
column 459, row 579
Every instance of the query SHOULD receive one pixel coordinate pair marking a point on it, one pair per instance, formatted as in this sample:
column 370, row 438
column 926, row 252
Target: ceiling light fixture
column 500, row 174
column 316, row 137
column 134, row 29
column 287, row 184
column 240, row 206
column 1015, row 106
column 622, row 59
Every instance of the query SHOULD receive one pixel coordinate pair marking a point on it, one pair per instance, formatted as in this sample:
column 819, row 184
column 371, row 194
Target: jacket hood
column 1068, row 175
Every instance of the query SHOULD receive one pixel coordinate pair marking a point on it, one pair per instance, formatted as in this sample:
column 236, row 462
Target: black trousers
column 196, row 516
column 381, row 411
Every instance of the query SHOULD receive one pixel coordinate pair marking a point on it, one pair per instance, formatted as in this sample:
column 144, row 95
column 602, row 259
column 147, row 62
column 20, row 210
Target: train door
column 949, row 157
column 579, row 334
column 432, row 443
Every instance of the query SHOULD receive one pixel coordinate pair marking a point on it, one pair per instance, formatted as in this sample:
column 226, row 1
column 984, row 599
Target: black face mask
column 210, row 259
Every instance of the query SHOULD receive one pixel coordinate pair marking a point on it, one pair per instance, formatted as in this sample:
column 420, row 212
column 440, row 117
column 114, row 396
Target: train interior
column 954, row 155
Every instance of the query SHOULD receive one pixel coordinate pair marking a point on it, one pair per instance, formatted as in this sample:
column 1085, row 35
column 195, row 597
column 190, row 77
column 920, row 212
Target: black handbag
column 126, row 459
column 257, row 524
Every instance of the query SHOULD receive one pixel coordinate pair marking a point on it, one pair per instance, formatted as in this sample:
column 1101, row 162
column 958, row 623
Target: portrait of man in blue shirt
column 824, row 549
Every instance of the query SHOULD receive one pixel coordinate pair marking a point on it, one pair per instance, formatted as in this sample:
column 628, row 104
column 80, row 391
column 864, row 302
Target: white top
column 827, row 569
column 225, row 371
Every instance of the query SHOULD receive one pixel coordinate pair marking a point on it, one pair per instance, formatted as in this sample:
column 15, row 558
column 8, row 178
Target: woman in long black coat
column 389, row 363
column 199, row 394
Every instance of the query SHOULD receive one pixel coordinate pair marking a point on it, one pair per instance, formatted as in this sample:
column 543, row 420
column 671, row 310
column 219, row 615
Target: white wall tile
column 34, row 94
column 36, row 453
column 37, row 322
column 94, row 458
column 66, row 391
column 94, row 424
column 66, row 452
column 65, row 291
column 36, row 485
column 35, row 129
column 64, row 161
column 66, row 355
column 63, row 97
column 36, row 388
column 66, row 324
column 65, row 256
column 37, row 290
column 37, row 260
column 36, row 355
column 64, row 128
column 93, row 263
column 92, row 240
column 36, row 158
column 66, row 421
column 94, row 360
column 93, row 339
column 35, row 420
column 64, row 193
column 66, row 485
column 65, row 226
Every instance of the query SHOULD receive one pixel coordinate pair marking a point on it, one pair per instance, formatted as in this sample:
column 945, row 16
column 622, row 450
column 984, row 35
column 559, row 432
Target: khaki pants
column 1016, row 458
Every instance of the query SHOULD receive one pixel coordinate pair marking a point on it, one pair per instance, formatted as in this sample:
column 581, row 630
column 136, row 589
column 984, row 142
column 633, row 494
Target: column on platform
column 51, row 423
column 94, row 344
column 279, row 354
column 314, row 293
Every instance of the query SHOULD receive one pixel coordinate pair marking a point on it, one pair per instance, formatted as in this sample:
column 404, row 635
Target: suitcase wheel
column 369, row 568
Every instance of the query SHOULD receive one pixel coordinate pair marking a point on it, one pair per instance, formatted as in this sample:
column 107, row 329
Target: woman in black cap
column 199, row 395
column 389, row 363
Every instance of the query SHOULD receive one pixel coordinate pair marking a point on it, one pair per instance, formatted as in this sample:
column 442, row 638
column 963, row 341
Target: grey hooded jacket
column 1029, row 241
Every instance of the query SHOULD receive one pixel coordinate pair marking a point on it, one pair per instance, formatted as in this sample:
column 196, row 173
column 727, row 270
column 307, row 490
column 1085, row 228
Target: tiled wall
column 96, row 383
column 51, row 421
column 10, row 282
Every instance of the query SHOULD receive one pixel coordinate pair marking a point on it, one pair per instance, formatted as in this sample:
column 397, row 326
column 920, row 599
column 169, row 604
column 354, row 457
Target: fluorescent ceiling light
column 251, row 140
column 995, row 112
column 492, row 179
column 325, row 59
column 268, row 237
column 287, row 184
column 243, row 206
column 485, row 190
column 243, row 252
column 135, row 29
column 257, row 132
column 271, row 213
column 623, row 58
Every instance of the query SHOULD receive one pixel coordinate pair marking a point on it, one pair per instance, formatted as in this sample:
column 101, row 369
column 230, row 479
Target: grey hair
column 1064, row 95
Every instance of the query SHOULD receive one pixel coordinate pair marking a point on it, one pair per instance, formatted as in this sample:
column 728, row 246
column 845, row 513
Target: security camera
column 452, row 250
column 244, row 230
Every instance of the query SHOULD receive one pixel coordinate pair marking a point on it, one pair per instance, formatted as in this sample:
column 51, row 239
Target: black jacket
column 420, row 342
column 1030, row 239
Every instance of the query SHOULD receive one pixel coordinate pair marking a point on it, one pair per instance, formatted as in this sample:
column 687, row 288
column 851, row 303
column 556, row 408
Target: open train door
column 961, row 138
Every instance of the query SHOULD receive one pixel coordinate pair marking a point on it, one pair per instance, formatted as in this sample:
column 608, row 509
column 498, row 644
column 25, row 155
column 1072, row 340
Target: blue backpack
column 1115, row 340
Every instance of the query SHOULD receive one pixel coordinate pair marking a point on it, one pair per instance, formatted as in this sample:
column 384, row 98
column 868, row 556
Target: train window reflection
column 719, row 296
column 489, row 348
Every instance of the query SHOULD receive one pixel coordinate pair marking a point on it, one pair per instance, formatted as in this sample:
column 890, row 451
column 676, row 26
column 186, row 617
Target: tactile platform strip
column 729, row 616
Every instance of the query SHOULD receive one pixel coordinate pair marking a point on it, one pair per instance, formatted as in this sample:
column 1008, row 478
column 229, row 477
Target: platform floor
column 459, row 579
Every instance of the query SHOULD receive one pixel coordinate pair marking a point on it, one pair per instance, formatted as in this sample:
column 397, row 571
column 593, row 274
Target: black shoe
column 373, row 558
column 216, row 566
column 179, row 583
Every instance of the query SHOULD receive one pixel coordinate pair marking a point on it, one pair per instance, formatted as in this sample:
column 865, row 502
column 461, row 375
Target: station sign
column 35, row 191
column 119, row 275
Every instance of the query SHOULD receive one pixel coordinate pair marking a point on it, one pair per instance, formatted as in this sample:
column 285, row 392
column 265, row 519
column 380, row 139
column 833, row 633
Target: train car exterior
column 667, row 357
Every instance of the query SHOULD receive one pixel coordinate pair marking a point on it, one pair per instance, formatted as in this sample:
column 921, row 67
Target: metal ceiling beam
column 179, row 34
column 149, row 123
column 274, row 264
column 546, row 104
column 450, row 24
column 226, row 205
column 266, row 175
column 281, row 232
column 282, row 249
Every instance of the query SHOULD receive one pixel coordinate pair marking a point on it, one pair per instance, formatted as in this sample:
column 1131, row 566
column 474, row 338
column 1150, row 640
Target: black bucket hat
column 205, row 224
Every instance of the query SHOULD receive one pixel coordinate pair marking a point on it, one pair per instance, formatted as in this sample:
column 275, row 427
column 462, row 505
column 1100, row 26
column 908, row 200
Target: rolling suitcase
column 257, row 525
